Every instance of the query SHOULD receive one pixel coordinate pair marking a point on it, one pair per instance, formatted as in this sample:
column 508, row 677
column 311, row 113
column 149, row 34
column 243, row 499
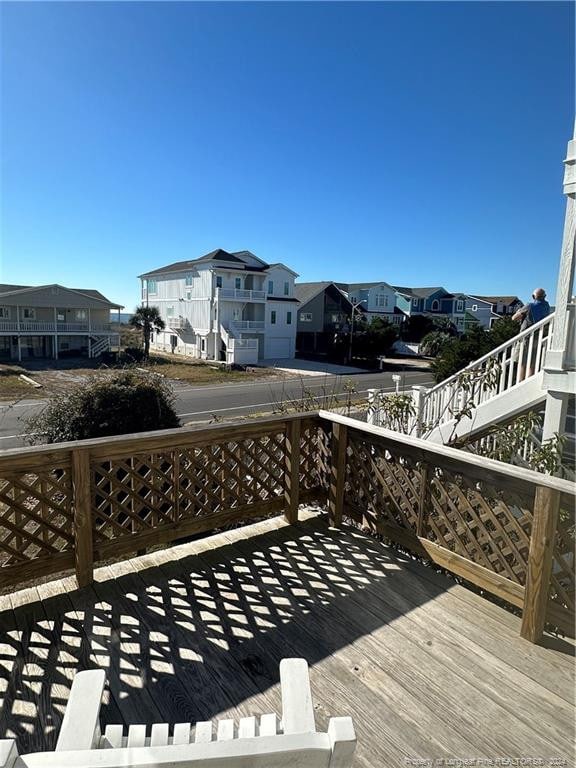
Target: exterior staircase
column 99, row 344
column 239, row 351
column 488, row 391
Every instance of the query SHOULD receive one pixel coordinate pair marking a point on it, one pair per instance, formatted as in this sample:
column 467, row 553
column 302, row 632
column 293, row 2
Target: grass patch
column 12, row 387
column 201, row 372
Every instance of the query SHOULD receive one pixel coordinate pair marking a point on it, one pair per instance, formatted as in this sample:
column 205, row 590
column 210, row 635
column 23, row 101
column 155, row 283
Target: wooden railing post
column 423, row 500
column 292, row 471
column 82, row 500
column 337, row 474
column 540, row 559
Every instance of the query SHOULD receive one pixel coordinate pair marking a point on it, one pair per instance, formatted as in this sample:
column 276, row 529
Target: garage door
column 277, row 347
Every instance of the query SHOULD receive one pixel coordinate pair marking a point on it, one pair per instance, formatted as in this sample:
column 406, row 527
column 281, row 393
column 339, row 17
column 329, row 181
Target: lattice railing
column 508, row 530
column 488, row 522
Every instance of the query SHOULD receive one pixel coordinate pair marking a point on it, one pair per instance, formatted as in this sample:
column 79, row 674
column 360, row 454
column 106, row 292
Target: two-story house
column 502, row 306
column 324, row 310
column 376, row 299
column 434, row 302
column 51, row 321
column 479, row 311
column 225, row 306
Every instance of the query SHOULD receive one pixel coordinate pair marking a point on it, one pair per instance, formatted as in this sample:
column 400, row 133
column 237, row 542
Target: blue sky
column 417, row 143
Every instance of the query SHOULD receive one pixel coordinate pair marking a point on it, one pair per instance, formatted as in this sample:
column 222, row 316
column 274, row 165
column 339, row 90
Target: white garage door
column 277, row 348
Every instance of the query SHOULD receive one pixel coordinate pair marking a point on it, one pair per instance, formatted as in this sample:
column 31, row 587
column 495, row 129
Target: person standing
column 531, row 313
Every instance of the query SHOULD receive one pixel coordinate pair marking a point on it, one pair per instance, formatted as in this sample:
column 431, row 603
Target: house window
column 415, row 302
column 270, row 286
column 29, row 313
column 5, row 313
column 381, row 300
column 286, row 289
column 152, row 287
column 203, row 345
column 188, row 295
column 81, row 315
column 273, row 317
column 238, row 283
column 288, row 318
column 305, row 317
column 144, row 293
column 170, row 311
column 474, row 307
column 335, row 318
column 218, row 281
column 189, row 279
column 459, row 305
column 60, row 317
column 235, row 314
column 435, row 305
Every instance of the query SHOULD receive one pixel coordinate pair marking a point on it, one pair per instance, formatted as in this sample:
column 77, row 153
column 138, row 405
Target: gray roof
column 305, row 292
column 218, row 255
column 363, row 286
column 90, row 292
column 498, row 299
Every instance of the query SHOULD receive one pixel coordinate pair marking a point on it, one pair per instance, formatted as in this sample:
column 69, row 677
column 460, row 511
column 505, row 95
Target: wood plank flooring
column 426, row 668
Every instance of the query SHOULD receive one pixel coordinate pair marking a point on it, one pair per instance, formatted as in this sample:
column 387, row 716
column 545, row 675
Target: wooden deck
column 426, row 668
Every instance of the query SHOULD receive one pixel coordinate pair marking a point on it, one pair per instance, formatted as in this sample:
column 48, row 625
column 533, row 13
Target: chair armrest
column 297, row 708
column 342, row 740
column 81, row 727
column 8, row 753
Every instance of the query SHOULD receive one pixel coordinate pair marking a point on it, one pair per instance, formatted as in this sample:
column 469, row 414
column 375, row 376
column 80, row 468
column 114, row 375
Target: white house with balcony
column 231, row 307
column 51, row 321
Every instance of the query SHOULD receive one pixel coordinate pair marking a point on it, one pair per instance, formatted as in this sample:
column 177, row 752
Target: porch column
column 55, row 334
column 557, row 400
column 18, row 332
column 89, row 334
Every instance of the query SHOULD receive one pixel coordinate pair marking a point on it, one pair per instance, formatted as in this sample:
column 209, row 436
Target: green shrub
column 434, row 342
column 458, row 353
column 116, row 404
column 133, row 354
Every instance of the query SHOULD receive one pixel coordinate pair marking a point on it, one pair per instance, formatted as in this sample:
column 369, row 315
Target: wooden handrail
column 494, row 524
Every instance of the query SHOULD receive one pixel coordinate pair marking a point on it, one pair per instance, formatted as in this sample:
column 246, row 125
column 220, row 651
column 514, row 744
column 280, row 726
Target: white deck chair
column 262, row 743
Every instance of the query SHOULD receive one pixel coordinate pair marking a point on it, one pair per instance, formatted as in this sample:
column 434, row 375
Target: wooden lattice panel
column 36, row 518
column 224, row 476
column 132, row 494
column 489, row 526
column 314, row 456
column 384, row 484
column 563, row 586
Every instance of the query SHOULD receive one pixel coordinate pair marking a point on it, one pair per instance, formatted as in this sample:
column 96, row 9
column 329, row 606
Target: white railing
column 38, row 326
column 247, row 325
column 243, row 344
column 489, row 376
column 99, row 345
column 177, row 323
column 237, row 294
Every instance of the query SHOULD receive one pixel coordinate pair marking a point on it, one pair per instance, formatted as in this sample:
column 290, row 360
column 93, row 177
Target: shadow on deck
column 426, row 668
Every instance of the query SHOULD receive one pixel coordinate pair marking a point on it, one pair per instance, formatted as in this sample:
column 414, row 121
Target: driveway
column 311, row 367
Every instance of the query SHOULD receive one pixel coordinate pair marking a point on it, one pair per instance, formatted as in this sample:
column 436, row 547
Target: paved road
column 201, row 403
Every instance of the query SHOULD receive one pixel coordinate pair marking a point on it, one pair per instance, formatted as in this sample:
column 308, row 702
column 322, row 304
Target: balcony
column 235, row 294
column 426, row 667
column 38, row 326
column 247, row 325
column 177, row 323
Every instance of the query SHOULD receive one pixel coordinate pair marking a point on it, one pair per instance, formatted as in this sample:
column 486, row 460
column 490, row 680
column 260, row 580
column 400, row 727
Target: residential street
column 202, row 403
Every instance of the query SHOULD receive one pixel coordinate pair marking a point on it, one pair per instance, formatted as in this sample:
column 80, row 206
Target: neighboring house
column 479, row 312
column 224, row 306
column 433, row 302
column 323, row 311
column 51, row 321
column 502, row 306
column 376, row 299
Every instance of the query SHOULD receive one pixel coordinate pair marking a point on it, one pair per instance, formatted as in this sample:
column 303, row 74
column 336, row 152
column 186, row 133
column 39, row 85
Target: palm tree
column 147, row 319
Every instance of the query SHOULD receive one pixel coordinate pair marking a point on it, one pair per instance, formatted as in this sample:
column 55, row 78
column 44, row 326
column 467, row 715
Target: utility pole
column 355, row 305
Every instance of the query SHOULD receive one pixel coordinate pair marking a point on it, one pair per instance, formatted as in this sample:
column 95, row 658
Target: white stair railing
column 489, row 376
column 99, row 344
